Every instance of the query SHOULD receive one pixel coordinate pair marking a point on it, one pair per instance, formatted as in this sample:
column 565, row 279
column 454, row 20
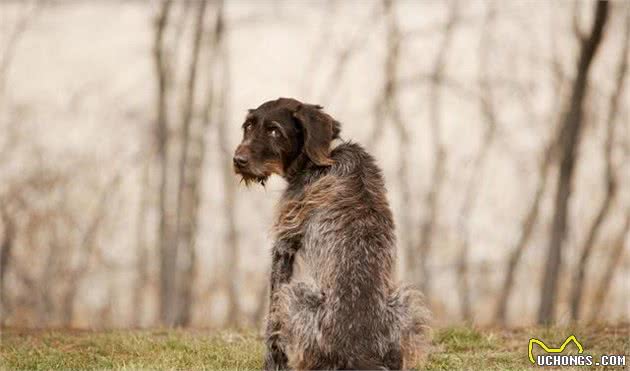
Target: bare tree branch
column 488, row 111
column 179, row 28
column 14, row 38
column 167, row 267
column 6, row 248
column 387, row 109
column 317, row 56
column 185, row 213
column 614, row 260
column 577, row 30
column 86, row 248
column 195, row 176
column 329, row 93
column 577, row 291
column 142, row 254
column 544, row 165
column 231, row 239
column 569, row 139
column 428, row 225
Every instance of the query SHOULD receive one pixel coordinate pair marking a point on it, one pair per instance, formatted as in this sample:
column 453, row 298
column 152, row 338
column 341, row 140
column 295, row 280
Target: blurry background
column 502, row 128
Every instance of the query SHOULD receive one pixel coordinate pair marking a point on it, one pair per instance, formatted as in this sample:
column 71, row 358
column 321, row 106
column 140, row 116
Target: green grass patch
column 462, row 339
column 454, row 348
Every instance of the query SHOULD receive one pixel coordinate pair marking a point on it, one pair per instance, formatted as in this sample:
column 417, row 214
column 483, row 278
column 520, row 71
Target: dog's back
column 342, row 310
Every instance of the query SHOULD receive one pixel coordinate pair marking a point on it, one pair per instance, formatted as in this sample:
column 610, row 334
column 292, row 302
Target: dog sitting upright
column 334, row 303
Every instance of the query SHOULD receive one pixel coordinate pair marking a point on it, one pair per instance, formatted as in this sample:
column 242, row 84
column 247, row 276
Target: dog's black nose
column 240, row 160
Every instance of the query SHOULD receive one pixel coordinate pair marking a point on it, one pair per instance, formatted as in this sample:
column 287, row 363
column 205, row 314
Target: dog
column 333, row 300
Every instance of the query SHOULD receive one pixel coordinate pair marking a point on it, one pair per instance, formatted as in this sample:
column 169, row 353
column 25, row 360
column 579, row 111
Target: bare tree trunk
column 569, row 139
column 388, row 109
column 179, row 27
column 431, row 202
column 609, row 270
column 472, row 189
column 386, row 100
column 544, row 166
column 46, row 306
column 86, row 249
column 6, row 248
column 526, row 232
column 199, row 143
column 142, row 255
column 12, row 43
column 230, row 272
column 262, row 303
column 185, row 256
column 330, row 92
column 167, row 255
column 316, row 56
column 611, row 182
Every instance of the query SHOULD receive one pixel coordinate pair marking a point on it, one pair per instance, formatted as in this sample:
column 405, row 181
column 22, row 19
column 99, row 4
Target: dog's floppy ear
column 319, row 130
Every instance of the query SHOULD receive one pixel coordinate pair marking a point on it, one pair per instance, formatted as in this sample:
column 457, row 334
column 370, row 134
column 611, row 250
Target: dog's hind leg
column 300, row 309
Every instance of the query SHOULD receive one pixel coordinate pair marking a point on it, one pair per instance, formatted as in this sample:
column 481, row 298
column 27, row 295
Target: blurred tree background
column 502, row 127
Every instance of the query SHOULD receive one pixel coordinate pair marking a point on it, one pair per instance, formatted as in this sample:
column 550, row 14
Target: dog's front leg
column 283, row 255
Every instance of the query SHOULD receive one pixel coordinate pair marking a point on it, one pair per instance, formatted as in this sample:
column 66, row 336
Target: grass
column 454, row 348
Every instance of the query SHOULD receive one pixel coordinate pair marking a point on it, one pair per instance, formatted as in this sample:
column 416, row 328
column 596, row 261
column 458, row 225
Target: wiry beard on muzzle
column 249, row 179
column 260, row 175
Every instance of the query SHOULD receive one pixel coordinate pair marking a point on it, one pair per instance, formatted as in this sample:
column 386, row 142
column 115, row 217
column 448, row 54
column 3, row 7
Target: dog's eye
column 247, row 126
column 273, row 129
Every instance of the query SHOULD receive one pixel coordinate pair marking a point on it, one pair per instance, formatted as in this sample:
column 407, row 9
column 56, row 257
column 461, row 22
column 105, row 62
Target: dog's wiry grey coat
column 343, row 310
column 334, row 303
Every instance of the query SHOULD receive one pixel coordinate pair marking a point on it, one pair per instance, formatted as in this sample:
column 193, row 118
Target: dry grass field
column 454, row 348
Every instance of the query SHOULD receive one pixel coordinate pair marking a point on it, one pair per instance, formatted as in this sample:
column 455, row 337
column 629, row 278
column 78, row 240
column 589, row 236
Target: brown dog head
column 279, row 132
